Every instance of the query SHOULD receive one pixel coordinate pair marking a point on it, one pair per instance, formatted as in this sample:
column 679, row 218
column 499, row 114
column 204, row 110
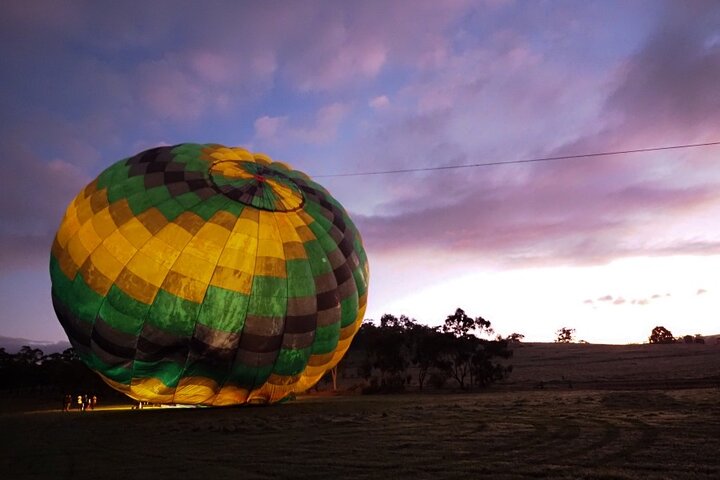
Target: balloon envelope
column 202, row 274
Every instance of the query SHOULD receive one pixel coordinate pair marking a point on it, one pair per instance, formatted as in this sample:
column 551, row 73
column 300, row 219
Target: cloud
column 572, row 212
column 322, row 127
column 33, row 200
column 605, row 298
column 379, row 102
column 700, row 291
column 267, row 128
column 353, row 43
column 672, row 81
column 618, row 301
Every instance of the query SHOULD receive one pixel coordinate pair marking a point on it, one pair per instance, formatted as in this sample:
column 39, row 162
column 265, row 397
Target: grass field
column 506, row 433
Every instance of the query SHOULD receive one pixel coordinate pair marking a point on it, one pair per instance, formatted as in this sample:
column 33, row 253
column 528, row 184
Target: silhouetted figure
column 93, row 402
column 67, row 403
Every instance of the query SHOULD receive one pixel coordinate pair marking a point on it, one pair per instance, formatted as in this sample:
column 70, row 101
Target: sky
column 609, row 246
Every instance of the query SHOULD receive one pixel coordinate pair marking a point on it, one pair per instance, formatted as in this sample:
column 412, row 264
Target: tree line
column 659, row 334
column 30, row 370
column 662, row 335
column 399, row 351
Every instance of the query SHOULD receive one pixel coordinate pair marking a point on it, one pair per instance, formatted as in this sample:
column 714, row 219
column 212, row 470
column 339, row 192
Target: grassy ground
column 615, row 366
column 633, row 412
column 505, row 435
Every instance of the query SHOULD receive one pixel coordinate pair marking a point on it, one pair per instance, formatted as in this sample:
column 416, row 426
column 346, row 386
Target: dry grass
column 511, row 432
column 616, row 366
column 505, row 435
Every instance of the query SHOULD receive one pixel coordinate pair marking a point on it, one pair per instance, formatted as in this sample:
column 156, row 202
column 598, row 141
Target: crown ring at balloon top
column 262, row 186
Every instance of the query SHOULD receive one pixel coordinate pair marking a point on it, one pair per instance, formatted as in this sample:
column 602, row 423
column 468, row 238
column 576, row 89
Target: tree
column 460, row 324
column 515, row 337
column 484, row 371
column 386, row 350
column 467, row 358
column 661, row 335
column 426, row 344
column 565, row 335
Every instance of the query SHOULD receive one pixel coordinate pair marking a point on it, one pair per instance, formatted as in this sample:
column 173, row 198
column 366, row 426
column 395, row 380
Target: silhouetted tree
column 515, row 337
column 484, row 370
column 386, row 351
column 662, row 335
column 465, row 357
column 459, row 324
column 565, row 335
column 453, row 351
column 30, row 370
column 426, row 345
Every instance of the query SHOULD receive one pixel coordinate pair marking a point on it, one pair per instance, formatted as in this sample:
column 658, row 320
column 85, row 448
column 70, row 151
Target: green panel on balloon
column 291, row 361
column 167, row 372
column 223, row 309
column 326, row 339
column 160, row 308
column 173, row 314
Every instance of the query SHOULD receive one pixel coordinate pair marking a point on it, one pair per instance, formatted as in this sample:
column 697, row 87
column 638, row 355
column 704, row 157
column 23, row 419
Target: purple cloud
column 564, row 212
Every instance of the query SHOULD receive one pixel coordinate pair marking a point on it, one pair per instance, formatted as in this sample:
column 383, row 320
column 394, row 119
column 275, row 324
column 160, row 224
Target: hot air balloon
column 203, row 274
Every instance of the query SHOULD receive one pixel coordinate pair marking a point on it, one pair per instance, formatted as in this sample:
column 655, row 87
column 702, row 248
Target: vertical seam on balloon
column 222, row 384
column 78, row 273
column 287, row 292
column 325, row 255
column 337, row 285
column 314, row 331
column 254, row 382
column 252, row 291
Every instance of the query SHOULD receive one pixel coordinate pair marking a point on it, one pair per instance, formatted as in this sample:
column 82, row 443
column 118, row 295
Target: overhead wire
column 526, row 160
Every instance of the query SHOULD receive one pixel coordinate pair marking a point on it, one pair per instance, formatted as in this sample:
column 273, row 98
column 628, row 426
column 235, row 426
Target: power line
column 527, row 160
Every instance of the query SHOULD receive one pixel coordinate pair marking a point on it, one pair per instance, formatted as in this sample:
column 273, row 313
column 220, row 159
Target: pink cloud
column 354, row 42
column 32, row 201
column 583, row 211
column 379, row 102
column 267, row 128
column 321, row 128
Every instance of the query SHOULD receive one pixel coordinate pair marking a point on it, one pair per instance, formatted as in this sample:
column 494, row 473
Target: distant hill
column 13, row 345
column 554, row 365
